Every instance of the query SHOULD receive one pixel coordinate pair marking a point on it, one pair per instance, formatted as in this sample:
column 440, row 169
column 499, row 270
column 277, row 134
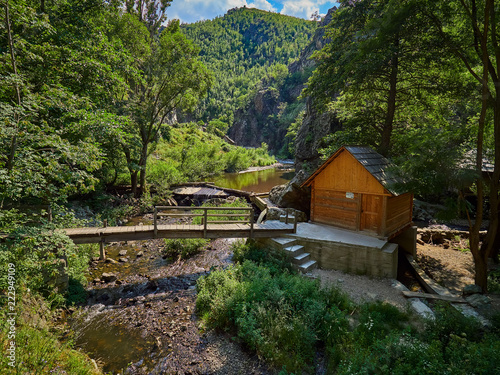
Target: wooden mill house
column 354, row 189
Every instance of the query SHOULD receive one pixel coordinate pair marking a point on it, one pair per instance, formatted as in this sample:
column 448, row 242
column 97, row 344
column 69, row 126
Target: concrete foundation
column 407, row 241
column 347, row 251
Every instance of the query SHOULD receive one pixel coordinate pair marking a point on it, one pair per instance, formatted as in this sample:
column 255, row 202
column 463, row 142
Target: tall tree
column 172, row 79
column 470, row 30
column 373, row 69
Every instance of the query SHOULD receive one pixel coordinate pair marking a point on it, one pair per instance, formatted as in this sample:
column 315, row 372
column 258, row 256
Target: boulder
column 108, row 277
column 472, row 289
column 274, row 213
column 478, row 300
column 292, row 195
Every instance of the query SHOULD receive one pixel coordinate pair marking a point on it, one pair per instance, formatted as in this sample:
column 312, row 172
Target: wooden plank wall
column 346, row 174
column 333, row 207
column 399, row 212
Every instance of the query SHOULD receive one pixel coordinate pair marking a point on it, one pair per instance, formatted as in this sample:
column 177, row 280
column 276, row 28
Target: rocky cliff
column 315, row 126
column 271, row 110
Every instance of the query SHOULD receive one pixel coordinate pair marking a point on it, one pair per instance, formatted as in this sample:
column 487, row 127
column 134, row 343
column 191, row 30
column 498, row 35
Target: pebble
column 123, row 260
column 140, row 254
column 122, row 253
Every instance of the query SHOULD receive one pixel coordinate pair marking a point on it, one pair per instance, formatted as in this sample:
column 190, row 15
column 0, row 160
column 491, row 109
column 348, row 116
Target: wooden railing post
column 286, row 218
column 102, row 253
column 251, row 222
column 205, row 220
column 155, row 222
column 295, row 223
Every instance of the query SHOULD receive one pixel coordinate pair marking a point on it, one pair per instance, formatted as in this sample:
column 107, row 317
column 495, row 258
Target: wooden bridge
column 203, row 222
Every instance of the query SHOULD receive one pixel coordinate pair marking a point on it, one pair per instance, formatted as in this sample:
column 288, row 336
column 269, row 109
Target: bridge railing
column 207, row 215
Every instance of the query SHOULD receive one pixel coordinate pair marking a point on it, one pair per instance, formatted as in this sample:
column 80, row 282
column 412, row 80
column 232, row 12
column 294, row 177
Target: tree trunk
column 133, row 182
column 481, row 268
column 385, row 143
column 143, row 165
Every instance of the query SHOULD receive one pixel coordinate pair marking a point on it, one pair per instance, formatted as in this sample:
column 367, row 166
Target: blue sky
column 195, row 10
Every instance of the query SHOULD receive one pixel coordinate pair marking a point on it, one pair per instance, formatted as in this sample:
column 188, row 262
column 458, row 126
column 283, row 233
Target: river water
column 261, row 181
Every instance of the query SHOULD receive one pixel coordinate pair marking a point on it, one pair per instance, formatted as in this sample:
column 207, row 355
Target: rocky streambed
column 140, row 317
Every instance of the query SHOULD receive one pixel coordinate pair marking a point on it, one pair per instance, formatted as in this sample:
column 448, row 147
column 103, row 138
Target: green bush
column 283, row 317
column 378, row 319
column 287, row 319
column 275, row 260
column 184, row 248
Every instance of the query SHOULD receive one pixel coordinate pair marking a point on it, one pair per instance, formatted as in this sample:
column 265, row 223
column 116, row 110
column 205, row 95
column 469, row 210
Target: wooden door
column 371, row 213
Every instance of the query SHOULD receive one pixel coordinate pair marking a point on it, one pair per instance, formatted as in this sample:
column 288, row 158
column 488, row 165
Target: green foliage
column 280, row 315
column 38, row 350
column 241, row 48
column 377, row 320
column 41, row 253
column 276, row 261
column 191, row 155
column 183, row 248
column 286, row 318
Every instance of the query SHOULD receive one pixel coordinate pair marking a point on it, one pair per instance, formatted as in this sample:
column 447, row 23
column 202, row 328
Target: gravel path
column 363, row 288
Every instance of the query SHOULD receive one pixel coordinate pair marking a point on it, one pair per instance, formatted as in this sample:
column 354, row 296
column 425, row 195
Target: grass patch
column 183, row 248
column 38, row 349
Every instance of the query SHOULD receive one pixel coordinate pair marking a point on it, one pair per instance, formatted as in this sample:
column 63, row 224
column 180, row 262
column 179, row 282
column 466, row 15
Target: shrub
column 275, row 260
column 283, row 317
column 184, row 248
column 378, row 319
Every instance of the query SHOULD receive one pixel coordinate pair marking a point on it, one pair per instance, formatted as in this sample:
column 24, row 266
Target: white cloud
column 195, row 10
column 300, row 8
column 262, row 4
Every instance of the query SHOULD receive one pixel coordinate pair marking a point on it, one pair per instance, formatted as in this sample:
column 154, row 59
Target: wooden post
column 286, row 218
column 295, row 224
column 102, row 252
column 105, row 223
column 251, row 222
column 205, row 220
column 155, row 222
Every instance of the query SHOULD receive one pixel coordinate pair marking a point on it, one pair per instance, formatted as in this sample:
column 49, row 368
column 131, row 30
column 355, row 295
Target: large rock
column 310, row 137
column 275, row 213
column 292, row 195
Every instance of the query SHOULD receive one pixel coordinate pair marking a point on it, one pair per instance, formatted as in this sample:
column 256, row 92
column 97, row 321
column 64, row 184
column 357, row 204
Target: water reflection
column 258, row 181
column 113, row 345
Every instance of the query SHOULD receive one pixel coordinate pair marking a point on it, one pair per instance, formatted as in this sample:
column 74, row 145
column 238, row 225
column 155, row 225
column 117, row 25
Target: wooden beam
column 452, row 298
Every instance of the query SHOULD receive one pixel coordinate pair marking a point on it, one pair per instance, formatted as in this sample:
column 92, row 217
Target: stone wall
column 354, row 259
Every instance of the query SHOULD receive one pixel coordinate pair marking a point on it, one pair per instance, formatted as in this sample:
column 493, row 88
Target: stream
column 139, row 317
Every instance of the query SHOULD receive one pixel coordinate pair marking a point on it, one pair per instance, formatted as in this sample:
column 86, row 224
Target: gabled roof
column 378, row 166
column 469, row 162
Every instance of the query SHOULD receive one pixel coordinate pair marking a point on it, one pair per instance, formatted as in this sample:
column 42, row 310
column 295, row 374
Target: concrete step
column 302, row 258
column 308, row 266
column 294, row 250
column 283, row 242
column 290, row 219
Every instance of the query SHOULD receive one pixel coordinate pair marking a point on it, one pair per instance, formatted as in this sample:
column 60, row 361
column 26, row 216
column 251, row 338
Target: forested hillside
column 242, row 48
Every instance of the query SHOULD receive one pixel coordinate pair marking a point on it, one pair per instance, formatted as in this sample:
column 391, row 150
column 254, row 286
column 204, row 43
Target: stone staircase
column 299, row 258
